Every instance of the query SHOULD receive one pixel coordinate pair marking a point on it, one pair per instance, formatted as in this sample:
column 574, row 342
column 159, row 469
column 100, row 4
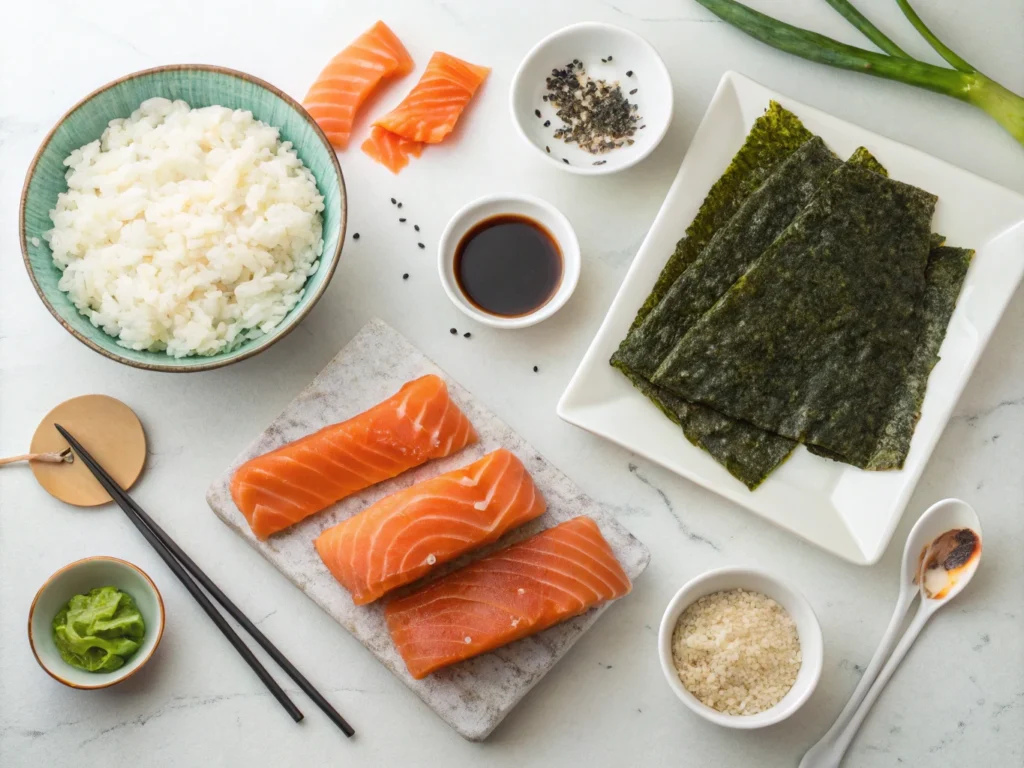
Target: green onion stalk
column 963, row 81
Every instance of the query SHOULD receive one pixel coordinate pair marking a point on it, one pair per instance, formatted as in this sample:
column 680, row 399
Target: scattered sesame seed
column 633, row 91
column 399, row 205
column 536, row 112
column 609, row 57
column 466, row 335
column 405, row 276
column 452, row 331
column 416, row 227
column 564, row 160
column 629, row 73
column 547, row 149
column 421, row 245
column 401, row 221
column 355, row 236
column 393, row 201
column 642, row 127
column 535, row 369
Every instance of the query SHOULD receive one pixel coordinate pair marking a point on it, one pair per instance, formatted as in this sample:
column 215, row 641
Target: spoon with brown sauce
column 940, row 558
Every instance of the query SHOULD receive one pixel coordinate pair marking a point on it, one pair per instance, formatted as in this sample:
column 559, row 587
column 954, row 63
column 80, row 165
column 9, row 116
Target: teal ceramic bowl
column 200, row 86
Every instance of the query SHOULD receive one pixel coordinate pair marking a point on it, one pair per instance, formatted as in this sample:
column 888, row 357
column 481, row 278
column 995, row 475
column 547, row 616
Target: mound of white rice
column 186, row 230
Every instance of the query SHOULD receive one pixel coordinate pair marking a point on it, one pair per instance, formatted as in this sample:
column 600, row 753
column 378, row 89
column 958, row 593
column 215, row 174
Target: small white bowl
column 590, row 42
column 77, row 579
column 545, row 214
column 807, row 627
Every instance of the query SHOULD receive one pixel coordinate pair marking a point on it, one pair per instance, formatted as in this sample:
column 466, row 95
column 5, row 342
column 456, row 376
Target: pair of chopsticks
column 188, row 573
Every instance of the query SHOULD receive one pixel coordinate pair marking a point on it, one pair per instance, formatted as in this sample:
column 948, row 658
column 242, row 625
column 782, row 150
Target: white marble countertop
column 959, row 697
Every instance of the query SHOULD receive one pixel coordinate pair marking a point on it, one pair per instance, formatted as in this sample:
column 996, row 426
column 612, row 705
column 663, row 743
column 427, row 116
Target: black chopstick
column 180, row 562
column 236, row 613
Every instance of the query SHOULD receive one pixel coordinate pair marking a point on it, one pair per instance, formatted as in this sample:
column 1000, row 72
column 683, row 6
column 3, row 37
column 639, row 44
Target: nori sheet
column 813, row 340
column 947, row 270
column 763, row 217
column 862, row 157
column 776, row 135
column 750, row 454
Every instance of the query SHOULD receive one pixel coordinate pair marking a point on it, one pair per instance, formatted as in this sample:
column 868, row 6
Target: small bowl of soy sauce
column 509, row 261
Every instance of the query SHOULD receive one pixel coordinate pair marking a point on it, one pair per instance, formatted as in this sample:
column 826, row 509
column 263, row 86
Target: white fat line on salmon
column 482, row 505
column 440, row 423
column 400, row 410
column 472, row 482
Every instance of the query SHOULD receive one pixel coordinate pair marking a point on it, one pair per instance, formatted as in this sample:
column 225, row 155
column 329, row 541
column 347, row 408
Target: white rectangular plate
column 474, row 696
column 845, row 510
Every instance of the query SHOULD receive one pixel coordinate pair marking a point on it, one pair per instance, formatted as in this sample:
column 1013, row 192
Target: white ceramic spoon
column 940, row 517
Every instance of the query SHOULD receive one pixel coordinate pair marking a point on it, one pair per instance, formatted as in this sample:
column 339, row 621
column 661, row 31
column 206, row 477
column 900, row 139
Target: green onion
column 964, row 82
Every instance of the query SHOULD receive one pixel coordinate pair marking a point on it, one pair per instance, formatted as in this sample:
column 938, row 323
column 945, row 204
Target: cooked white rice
column 186, row 230
column 737, row 651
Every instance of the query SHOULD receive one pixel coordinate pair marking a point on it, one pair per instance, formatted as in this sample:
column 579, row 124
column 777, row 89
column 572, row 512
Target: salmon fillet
column 508, row 595
column 391, row 150
column 405, row 535
column 346, row 81
column 418, row 423
column 433, row 106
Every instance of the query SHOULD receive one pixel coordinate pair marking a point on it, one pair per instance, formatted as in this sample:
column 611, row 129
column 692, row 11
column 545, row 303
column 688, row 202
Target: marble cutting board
column 474, row 696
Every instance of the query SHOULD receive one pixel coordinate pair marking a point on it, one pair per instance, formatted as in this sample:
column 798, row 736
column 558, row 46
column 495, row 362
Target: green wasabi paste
column 99, row 631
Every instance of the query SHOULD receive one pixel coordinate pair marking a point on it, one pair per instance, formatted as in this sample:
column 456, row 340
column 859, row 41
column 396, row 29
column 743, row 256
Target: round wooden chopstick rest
column 113, row 434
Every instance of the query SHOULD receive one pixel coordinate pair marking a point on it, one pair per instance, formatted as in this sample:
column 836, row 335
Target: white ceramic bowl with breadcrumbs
column 751, row 580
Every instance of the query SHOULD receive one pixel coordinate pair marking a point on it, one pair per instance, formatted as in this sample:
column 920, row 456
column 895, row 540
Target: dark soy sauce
column 508, row 265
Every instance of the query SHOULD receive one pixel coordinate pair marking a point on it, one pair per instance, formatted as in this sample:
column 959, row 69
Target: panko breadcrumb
column 737, row 651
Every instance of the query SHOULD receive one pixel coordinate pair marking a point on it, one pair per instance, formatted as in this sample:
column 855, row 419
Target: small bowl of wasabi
column 95, row 622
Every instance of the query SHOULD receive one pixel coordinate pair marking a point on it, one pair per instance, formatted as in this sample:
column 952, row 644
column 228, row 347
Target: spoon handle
column 844, row 739
column 819, row 756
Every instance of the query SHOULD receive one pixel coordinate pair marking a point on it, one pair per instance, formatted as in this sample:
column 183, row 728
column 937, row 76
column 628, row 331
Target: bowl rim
column 116, row 679
column 572, row 262
column 590, row 170
column 200, row 366
column 739, row 574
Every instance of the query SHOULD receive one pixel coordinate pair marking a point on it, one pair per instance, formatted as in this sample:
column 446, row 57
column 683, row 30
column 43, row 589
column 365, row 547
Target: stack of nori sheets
column 806, row 304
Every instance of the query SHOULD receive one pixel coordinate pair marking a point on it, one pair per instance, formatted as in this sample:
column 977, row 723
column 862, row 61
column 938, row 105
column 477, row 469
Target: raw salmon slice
column 433, row 106
column 391, row 150
column 418, row 423
column 339, row 91
column 508, row 595
column 405, row 535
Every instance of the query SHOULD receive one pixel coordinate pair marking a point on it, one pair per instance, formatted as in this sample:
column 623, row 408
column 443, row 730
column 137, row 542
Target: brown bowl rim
column 303, row 311
column 115, row 681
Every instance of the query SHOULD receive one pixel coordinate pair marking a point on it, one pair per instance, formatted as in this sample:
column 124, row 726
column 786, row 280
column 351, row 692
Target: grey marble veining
column 475, row 695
